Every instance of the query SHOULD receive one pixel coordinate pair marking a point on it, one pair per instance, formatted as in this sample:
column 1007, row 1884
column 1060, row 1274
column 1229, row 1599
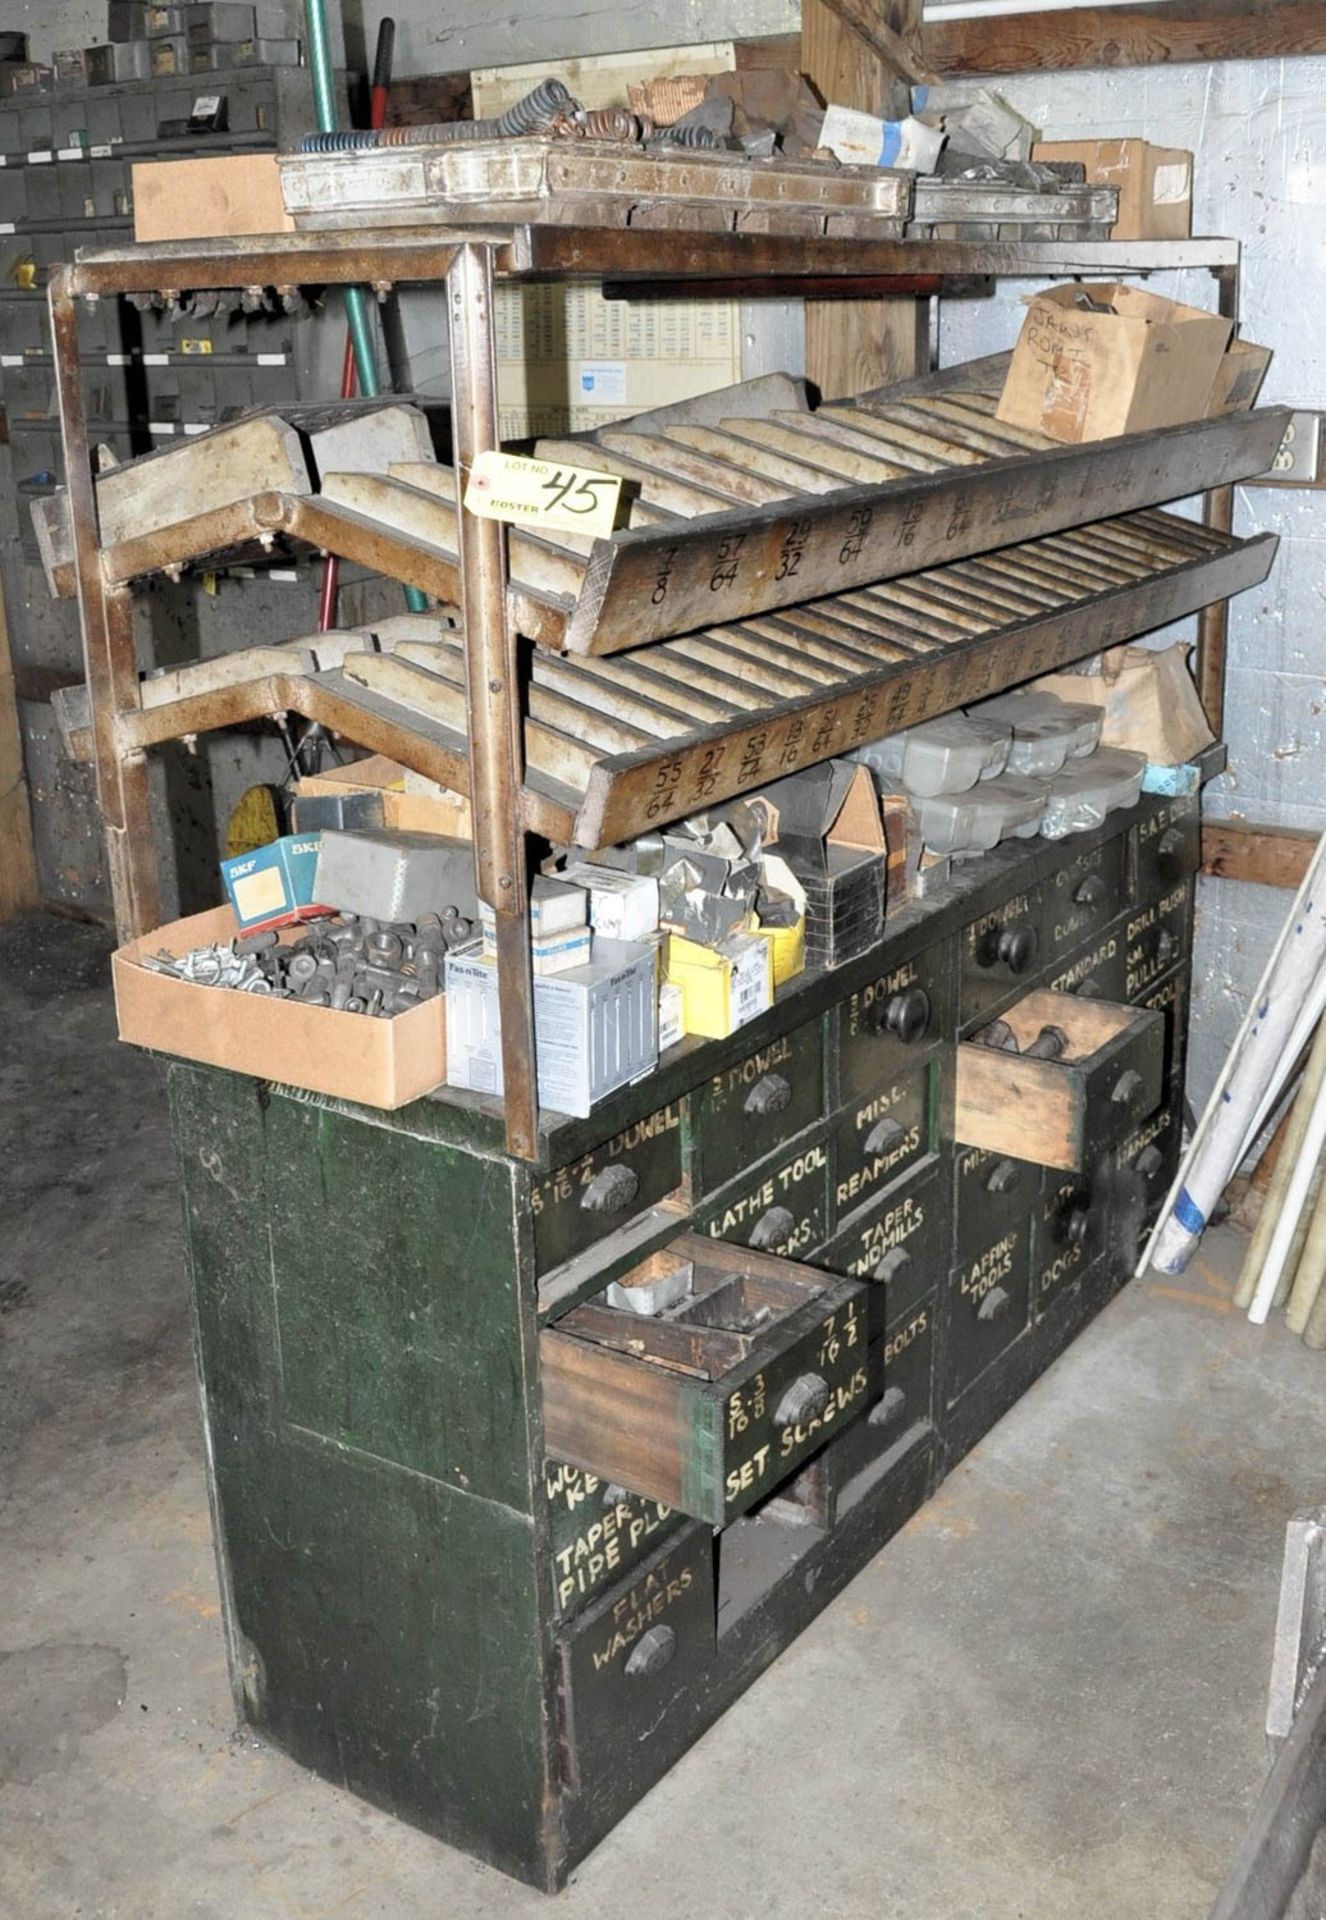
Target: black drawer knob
column 1089, row 989
column 1005, row 1177
column 1017, row 948
column 651, row 1652
column 1091, row 891
column 1077, row 1225
column 905, row 1014
column 1014, row 947
column 888, row 1407
column 772, row 1228
column 1170, row 849
column 807, row 1396
column 772, row 1094
column 995, row 1303
column 1165, row 944
column 611, row 1190
column 1127, row 1087
column 882, row 1135
column 892, row 1264
column 1149, row 1161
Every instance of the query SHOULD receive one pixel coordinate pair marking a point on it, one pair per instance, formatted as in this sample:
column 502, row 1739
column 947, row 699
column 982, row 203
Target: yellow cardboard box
column 722, row 987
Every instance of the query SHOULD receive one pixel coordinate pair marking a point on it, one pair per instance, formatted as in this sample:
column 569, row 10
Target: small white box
column 670, row 1028
column 554, row 905
column 595, row 1028
column 549, row 952
column 622, row 906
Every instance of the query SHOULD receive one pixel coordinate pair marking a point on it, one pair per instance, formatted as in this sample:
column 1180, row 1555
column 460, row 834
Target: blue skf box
column 273, row 885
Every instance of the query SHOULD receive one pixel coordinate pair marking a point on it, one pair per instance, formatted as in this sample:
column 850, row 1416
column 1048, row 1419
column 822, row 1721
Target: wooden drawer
column 991, row 1191
column 1169, row 996
column 987, row 1307
column 997, row 950
column 579, row 1204
column 882, row 1136
column 1165, row 846
column 750, row 1109
column 1097, row 970
column 1081, row 897
column 1069, row 1233
column 598, row 1533
column 898, row 1417
column 1065, row 1112
column 1159, row 938
column 900, row 1243
column 781, row 1206
column 882, row 1031
column 1147, row 1161
column 708, row 1407
column 631, row 1663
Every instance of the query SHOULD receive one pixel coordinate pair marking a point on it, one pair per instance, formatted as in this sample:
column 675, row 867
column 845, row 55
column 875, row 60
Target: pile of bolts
column 349, row 963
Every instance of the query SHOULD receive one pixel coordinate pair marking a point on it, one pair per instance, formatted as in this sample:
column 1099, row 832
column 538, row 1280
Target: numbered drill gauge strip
column 615, row 746
column 750, row 516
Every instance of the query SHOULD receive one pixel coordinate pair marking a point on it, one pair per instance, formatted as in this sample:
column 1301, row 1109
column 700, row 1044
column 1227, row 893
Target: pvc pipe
column 1284, row 1166
column 1311, row 1266
column 1314, row 1006
column 1314, row 1141
column 1314, row 1334
column 1256, row 1057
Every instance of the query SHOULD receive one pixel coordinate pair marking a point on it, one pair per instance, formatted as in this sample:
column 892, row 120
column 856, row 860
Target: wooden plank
column 1266, row 856
column 631, row 794
column 863, row 53
column 1141, row 36
column 645, row 584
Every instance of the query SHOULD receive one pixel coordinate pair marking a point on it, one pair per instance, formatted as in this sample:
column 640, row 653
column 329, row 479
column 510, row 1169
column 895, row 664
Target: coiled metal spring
column 350, row 141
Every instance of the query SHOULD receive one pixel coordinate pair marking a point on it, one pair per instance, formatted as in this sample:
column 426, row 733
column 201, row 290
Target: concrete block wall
column 1258, row 133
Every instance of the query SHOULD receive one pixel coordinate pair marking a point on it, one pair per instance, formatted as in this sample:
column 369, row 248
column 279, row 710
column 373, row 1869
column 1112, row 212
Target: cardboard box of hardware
column 382, row 1063
column 233, row 193
column 1103, row 359
column 410, row 804
column 1238, row 378
column 1155, row 183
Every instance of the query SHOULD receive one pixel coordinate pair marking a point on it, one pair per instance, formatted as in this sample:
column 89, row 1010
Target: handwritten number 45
column 575, row 493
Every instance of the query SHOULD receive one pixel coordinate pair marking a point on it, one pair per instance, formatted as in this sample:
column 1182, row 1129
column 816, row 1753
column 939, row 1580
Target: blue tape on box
column 273, row 885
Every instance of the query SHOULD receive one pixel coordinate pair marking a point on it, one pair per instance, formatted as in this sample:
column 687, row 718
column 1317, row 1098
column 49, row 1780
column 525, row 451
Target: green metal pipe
column 356, row 301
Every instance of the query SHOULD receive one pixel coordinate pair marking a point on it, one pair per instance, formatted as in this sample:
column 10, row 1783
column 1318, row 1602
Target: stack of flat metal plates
column 587, row 183
column 958, row 209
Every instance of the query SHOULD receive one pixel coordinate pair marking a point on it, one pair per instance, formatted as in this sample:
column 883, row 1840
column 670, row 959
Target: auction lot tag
column 542, row 493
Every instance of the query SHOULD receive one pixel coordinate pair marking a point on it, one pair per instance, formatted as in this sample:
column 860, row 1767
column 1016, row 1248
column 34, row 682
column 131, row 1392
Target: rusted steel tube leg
column 497, row 767
column 108, row 649
column 1217, row 512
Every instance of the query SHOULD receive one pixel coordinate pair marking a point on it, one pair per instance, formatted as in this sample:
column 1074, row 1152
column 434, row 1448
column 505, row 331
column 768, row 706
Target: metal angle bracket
column 1300, row 1626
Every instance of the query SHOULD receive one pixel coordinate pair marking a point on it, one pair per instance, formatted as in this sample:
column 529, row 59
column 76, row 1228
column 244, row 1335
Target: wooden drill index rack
column 656, row 783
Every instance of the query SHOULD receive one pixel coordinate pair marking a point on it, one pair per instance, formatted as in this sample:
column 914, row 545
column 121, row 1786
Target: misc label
column 542, row 493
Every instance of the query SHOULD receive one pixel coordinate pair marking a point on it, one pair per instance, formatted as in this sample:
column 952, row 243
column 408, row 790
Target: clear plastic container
column 1047, row 731
column 973, row 822
column 946, row 755
column 1088, row 789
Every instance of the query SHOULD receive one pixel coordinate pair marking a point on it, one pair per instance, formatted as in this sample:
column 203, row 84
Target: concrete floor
column 1043, row 1700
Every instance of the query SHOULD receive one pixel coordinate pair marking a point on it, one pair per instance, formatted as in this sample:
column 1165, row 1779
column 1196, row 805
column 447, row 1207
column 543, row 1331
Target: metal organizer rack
column 872, row 585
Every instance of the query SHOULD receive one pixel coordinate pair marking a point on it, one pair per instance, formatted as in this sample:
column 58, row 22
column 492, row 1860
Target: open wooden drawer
column 1063, row 1111
column 709, row 1403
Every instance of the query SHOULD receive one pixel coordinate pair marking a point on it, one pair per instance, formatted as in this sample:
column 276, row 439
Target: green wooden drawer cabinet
column 503, row 1640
